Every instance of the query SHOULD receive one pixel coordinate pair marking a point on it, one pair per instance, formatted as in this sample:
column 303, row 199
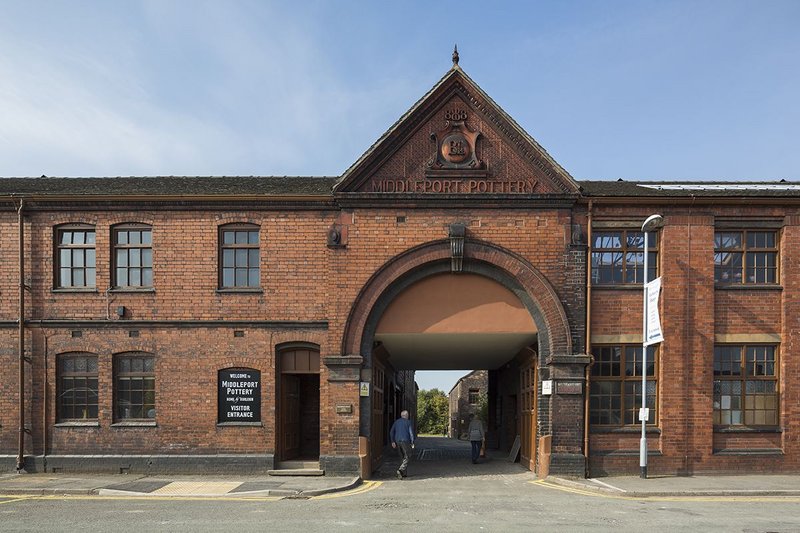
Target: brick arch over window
column 494, row 262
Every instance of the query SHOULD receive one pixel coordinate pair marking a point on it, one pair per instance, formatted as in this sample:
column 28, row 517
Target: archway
column 499, row 276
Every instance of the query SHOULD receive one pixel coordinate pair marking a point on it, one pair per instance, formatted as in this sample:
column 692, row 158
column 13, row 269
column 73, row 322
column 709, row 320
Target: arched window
column 133, row 256
column 76, row 387
column 134, row 386
column 239, row 258
column 75, row 258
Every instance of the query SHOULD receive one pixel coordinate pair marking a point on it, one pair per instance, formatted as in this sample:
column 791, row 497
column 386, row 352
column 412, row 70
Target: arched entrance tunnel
column 490, row 309
column 450, row 321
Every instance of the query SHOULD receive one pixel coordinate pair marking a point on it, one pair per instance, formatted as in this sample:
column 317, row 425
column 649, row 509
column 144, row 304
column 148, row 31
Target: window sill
column 78, row 424
column 257, row 290
column 624, row 429
column 620, row 287
column 234, row 424
column 746, row 429
column 75, row 290
column 134, row 424
column 625, row 453
column 748, row 287
column 749, row 451
column 133, row 290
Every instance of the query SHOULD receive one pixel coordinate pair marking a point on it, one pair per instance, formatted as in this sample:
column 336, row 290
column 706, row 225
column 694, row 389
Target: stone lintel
column 569, row 359
column 343, row 367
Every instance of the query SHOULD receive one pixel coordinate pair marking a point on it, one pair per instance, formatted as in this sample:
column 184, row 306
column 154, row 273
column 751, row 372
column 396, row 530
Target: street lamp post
column 651, row 223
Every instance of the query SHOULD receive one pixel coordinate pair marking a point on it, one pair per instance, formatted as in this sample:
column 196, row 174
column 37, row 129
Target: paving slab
column 141, row 485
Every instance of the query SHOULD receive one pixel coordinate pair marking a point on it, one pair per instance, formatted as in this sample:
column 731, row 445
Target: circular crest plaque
column 456, row 148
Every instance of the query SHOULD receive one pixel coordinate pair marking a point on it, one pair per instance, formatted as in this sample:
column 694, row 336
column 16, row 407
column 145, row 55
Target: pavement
column 435, row 458
column 200, row 486
column 779, row 485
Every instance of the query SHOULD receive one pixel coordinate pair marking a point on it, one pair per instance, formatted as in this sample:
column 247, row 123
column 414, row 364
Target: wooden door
column 290, row 417
column 528, row 387
column 378, row 439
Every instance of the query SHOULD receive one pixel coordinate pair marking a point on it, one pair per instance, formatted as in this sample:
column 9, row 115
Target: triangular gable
column 456, row 139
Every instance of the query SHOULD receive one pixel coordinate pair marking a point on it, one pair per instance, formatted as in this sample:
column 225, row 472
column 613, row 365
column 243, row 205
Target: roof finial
column 455, row 55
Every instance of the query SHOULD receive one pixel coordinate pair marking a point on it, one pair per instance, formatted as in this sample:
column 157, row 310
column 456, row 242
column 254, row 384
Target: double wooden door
column 528, row 388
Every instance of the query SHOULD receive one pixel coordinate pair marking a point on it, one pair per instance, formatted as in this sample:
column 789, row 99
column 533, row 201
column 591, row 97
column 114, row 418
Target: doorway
column 298, row 404
column 527, row 427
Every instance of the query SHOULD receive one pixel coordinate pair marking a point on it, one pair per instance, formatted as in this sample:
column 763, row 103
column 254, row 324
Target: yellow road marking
column 142, row 498
column 582, row 492
column 366, row 486
column 13, row 499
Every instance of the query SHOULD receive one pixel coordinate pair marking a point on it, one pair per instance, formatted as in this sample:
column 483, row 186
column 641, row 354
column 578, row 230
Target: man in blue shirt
column 402, row 436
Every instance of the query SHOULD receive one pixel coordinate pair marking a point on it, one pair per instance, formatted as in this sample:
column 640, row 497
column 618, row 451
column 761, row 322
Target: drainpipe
column 21, row 445
column 588, row 337
column 44, row 408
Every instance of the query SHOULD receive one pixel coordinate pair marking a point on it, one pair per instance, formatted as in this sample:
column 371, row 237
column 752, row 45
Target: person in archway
column 476, row 435
column 402, row 437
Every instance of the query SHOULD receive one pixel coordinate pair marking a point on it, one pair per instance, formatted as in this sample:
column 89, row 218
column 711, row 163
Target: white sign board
column 547, row 387
column 653, row 335
column 644, row 414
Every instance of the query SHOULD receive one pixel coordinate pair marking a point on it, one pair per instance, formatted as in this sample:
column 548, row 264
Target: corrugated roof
column 660, row 189
column 170, row 186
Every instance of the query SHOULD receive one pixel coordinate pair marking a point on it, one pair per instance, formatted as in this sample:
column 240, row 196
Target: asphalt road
column 445, row 492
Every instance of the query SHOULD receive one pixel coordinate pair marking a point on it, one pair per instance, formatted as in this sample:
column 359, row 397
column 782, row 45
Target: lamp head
column 653, row 222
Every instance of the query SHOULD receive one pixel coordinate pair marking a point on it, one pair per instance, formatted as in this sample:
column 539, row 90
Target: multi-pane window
column 474, row 396
column 133, row 256
column 618, row 257
column 134, row 386
column 239, row 257
column 75, row 259
column 77, row 387
column 745, row 385
column 746, row 256
column 616, row 387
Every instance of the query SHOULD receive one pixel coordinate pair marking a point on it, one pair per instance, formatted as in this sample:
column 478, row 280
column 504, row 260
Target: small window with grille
column 474, row 396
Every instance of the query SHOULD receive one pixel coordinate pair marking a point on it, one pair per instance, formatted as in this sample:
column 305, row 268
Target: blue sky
column 638, row 90
column 612, row 89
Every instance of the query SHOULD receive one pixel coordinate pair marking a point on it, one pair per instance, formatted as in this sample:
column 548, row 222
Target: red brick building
column 255, row 323
column 464, row 399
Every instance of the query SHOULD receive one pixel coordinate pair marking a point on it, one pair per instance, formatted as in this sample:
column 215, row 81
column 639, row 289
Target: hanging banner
column 653, row 334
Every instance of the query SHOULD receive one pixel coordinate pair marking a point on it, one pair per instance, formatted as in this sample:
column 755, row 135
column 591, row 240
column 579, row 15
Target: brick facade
column 460, row 401
column 332, row 259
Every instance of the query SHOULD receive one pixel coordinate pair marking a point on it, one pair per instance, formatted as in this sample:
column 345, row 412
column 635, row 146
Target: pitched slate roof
column 209, row 186
column 661, row 189
column 170, row 186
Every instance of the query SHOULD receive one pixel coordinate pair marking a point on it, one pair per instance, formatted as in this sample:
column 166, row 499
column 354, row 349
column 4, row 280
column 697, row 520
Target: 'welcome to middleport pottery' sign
column 239, row 395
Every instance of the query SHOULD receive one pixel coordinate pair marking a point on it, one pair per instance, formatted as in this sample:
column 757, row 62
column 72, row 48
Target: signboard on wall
column 239, row 395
